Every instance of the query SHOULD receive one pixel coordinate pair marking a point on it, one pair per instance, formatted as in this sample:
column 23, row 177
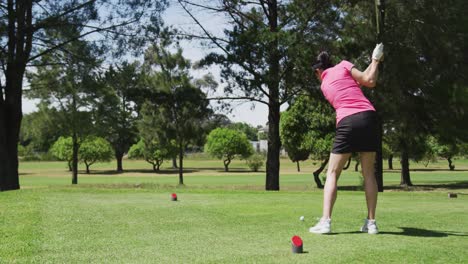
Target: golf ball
column 301, row 218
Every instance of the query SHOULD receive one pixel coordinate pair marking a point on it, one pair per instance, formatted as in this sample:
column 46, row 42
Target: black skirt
column 357, row 133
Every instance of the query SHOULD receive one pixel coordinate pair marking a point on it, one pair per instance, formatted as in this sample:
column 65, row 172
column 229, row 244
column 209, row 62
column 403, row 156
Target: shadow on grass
column 398, row 171
column 167, row 171
column 236, row 170
column 414, row 232
column 149, row 171
column 430, row 169
column 416, row 187
column 418, row 232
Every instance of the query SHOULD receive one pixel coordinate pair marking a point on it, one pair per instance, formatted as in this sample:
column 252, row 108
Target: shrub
column 255, row 162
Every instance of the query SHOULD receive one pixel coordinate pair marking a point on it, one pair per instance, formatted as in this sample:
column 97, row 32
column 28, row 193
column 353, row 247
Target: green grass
column 226, row 217
column 92, row 225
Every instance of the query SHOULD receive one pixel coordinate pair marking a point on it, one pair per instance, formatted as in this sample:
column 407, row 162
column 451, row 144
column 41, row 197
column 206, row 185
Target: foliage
column 437, row 150
column 178, row 109
column 292, row 131
column 62, row 149
column 39, row 130
column 308, row 127
column 250, row 131
column 152, row 152
column 255, row 162
column 116, row 109
column 94, row 149
column 227, row 144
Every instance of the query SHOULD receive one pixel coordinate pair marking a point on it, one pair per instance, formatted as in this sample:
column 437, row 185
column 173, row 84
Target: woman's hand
column 378, row 53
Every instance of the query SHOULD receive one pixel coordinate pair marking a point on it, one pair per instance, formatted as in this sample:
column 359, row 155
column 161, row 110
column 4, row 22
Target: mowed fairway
column 226, row 217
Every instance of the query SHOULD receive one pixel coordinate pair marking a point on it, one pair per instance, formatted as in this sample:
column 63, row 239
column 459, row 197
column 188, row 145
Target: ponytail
column 323, row 61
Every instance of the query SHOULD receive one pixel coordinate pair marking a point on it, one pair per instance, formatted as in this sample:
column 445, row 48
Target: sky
column 248, row 112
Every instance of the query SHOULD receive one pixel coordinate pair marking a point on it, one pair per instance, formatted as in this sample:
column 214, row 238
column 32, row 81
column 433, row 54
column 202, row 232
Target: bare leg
column 335, row 165
column 370, row 184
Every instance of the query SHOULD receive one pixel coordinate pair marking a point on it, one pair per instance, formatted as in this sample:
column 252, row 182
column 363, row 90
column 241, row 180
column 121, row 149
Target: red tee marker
column 296, row 242
column 173, row 197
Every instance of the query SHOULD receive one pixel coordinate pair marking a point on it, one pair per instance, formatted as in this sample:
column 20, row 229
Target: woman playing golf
column 356, row 130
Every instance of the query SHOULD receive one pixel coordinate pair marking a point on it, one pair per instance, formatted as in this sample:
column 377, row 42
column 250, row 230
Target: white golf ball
column 301, row 218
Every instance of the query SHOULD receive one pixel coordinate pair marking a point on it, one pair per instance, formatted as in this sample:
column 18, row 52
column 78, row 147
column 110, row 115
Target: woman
column 356, row 130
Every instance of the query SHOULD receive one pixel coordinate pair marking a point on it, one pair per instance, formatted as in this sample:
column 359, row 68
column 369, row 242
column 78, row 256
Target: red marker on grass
column 296, row 242
column 173, row 197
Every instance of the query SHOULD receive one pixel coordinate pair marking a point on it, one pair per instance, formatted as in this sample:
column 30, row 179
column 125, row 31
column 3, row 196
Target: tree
column 292, row 134
column 435, row 150
column 116, row 112
column 39, row 130
column 309, row 125
column 265, row 55
column 152, row 152
column 29, row 30
column 179, row 108
column 94, row 149
column 250, row 131
column 62, row 149
column 69, row 84
column 227, row 144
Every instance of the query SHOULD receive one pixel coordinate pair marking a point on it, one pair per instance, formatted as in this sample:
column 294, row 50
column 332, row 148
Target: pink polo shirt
column 343, row 92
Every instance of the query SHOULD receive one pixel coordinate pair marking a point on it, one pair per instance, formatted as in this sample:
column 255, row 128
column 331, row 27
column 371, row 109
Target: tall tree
column 179, row 108
column 266, row 54
column 69, row 84
column 29, row 31
column 116, row 112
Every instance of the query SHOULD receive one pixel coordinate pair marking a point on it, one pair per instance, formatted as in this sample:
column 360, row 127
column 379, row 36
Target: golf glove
column 377, row 54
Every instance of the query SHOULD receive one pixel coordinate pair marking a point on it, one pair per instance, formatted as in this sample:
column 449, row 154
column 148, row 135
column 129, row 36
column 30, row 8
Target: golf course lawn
column 226, row 217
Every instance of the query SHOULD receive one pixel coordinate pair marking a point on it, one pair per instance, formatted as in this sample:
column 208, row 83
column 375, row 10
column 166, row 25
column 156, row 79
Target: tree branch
column 238, row 98
column 77, row 38
column 42, row 23
column 203, row 28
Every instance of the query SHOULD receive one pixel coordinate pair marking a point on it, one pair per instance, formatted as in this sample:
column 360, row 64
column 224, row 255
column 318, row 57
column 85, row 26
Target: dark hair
column 323, row 61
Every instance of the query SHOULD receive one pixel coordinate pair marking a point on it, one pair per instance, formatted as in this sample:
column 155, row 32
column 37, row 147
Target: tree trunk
column 9, row 178
column 181, row 162
column 87, row 168
column 318, row 182
column 16, row 54
column 274, row 145
column 347, row 164
column 226, row 165
column 405, row 173
column 273, row 81
column 451, row 166
column 154, row 167
column 356, row 167
column 390, row 162
column 119, row 157
column 298, row 166
column 75, row 159
column 174, row 162
column 70, row 166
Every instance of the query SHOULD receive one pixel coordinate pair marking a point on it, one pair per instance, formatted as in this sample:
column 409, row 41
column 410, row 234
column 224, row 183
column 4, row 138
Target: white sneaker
column 322, row 227
column 370, row 227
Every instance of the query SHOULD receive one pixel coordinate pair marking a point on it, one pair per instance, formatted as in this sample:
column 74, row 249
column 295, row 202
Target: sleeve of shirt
column 347, row 65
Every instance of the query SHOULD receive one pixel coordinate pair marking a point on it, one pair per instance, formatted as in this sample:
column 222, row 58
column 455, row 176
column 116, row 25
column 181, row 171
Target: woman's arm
column 367, row 78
